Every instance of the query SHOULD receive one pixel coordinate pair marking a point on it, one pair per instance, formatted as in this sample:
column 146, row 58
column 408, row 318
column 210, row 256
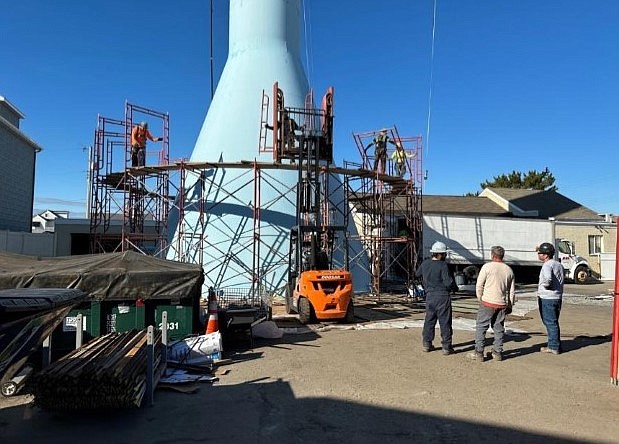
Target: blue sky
column 517, row 85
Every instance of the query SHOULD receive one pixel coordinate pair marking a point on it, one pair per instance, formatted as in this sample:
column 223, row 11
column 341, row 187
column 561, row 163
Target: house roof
column 462, row 205
column 507, row 202
column 40, row 216
column 49, row 215
column 546, row 203
column 12, row 107
column 12, row 128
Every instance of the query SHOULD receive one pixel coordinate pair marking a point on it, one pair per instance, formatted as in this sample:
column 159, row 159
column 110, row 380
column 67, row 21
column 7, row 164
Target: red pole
column 614, row 351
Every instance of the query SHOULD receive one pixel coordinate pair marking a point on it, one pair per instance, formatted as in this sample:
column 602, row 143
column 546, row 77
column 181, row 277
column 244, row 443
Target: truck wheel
column 350, row 313
column 305, row 311
column 581, row 275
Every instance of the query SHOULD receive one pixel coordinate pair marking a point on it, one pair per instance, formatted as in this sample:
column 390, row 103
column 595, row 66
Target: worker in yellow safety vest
column 399, row 157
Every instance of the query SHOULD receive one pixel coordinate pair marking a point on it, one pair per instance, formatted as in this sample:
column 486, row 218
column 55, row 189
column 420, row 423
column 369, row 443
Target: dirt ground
column 374, row 384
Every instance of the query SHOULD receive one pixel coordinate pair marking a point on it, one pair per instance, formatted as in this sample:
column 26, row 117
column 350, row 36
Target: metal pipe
column 614, row 349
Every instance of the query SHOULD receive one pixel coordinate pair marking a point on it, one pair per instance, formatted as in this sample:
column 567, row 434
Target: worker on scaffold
column 380, row 149
column 139, row 134
column 399, row 157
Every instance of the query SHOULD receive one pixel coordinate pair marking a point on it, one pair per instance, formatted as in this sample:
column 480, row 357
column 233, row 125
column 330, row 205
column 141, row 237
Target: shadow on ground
column 568, row 345
column 265, row 412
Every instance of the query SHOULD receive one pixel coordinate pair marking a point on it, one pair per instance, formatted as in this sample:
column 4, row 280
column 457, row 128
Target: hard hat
column 438, row 247
column 144, row 125
column 546, row 248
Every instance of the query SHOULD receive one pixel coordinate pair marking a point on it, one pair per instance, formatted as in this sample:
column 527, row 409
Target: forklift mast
column 306, row 139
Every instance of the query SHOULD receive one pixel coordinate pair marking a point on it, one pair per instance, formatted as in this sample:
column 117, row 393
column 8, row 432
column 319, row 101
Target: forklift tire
column 350, row 313
column 288, row 300
column 305, row 311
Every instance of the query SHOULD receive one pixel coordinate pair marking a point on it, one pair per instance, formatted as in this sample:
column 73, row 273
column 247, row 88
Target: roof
column 547, row 203
column 54, row 215
column 507, row 202
column 12, row 107
column 462, row 205
column 18, row 133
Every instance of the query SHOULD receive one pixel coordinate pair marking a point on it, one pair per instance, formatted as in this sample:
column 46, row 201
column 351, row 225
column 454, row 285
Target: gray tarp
column 109, row 276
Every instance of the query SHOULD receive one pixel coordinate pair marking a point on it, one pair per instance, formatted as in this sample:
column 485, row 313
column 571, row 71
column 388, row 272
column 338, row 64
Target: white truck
column 469, row 240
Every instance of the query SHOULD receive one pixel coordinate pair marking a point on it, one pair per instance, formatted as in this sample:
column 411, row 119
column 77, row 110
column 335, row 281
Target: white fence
column 607, row 266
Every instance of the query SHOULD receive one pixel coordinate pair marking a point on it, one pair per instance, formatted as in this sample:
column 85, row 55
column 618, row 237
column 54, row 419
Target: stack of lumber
column 108, row 372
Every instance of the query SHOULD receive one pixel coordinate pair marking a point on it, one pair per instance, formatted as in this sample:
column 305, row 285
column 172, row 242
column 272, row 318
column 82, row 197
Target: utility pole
column 88, row 179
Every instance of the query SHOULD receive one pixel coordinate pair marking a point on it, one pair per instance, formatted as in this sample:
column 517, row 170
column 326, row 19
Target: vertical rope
column 431, row 81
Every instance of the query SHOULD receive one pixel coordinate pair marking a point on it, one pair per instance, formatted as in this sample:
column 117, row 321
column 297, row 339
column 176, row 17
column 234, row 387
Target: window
column 595, row 244
column 564, row 247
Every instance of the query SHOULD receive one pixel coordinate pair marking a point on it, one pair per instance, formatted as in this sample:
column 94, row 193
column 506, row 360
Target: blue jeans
column 487, row 316
column 549, row 310
column 438, row 308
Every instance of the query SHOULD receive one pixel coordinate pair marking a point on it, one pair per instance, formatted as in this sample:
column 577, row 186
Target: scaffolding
column 129, row 205
column 132, row 208
column 386, row 208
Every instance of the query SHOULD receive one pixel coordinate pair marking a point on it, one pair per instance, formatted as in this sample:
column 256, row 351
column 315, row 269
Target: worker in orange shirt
column 139, row 134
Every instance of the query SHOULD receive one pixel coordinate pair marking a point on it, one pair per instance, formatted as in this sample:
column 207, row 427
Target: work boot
column 448, row 351
column 428, row 347
column 549, row 350
column 497, row 356
column 476, row 356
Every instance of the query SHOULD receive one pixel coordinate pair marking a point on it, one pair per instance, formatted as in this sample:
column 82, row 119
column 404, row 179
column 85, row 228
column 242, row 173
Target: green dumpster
column 63, row 337
column 124, row 316
column 180, row 320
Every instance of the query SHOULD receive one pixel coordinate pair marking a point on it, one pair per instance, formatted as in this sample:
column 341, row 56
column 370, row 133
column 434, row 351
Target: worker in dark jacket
column 437, row 283
column 380, row 150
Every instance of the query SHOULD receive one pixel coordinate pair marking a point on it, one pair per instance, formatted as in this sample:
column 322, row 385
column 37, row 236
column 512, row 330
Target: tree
column 534, row 180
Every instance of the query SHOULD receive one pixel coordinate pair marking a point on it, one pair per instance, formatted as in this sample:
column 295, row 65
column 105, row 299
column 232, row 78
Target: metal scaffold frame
column 132, row 207
column 129, row 206
column 387, row 211
column 191, row 244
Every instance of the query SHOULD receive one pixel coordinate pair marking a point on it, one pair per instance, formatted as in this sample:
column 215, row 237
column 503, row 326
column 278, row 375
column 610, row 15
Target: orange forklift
column 316, row 289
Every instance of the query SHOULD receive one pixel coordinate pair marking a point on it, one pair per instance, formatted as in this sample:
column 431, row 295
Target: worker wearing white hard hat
column 438, row 247
column 438, row 283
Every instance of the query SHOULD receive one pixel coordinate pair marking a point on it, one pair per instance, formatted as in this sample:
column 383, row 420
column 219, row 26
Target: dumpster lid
column 29, row 300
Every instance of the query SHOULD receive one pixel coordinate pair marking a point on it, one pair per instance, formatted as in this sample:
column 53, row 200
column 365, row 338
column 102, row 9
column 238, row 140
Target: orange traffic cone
column 212, row 324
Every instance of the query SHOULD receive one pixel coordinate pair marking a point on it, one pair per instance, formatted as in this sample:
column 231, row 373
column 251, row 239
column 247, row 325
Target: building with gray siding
column 18, row 153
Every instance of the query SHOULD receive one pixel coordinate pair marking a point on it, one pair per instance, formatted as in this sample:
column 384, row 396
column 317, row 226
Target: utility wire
column 431, row 81
column 308, row 33
column 211, row 55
